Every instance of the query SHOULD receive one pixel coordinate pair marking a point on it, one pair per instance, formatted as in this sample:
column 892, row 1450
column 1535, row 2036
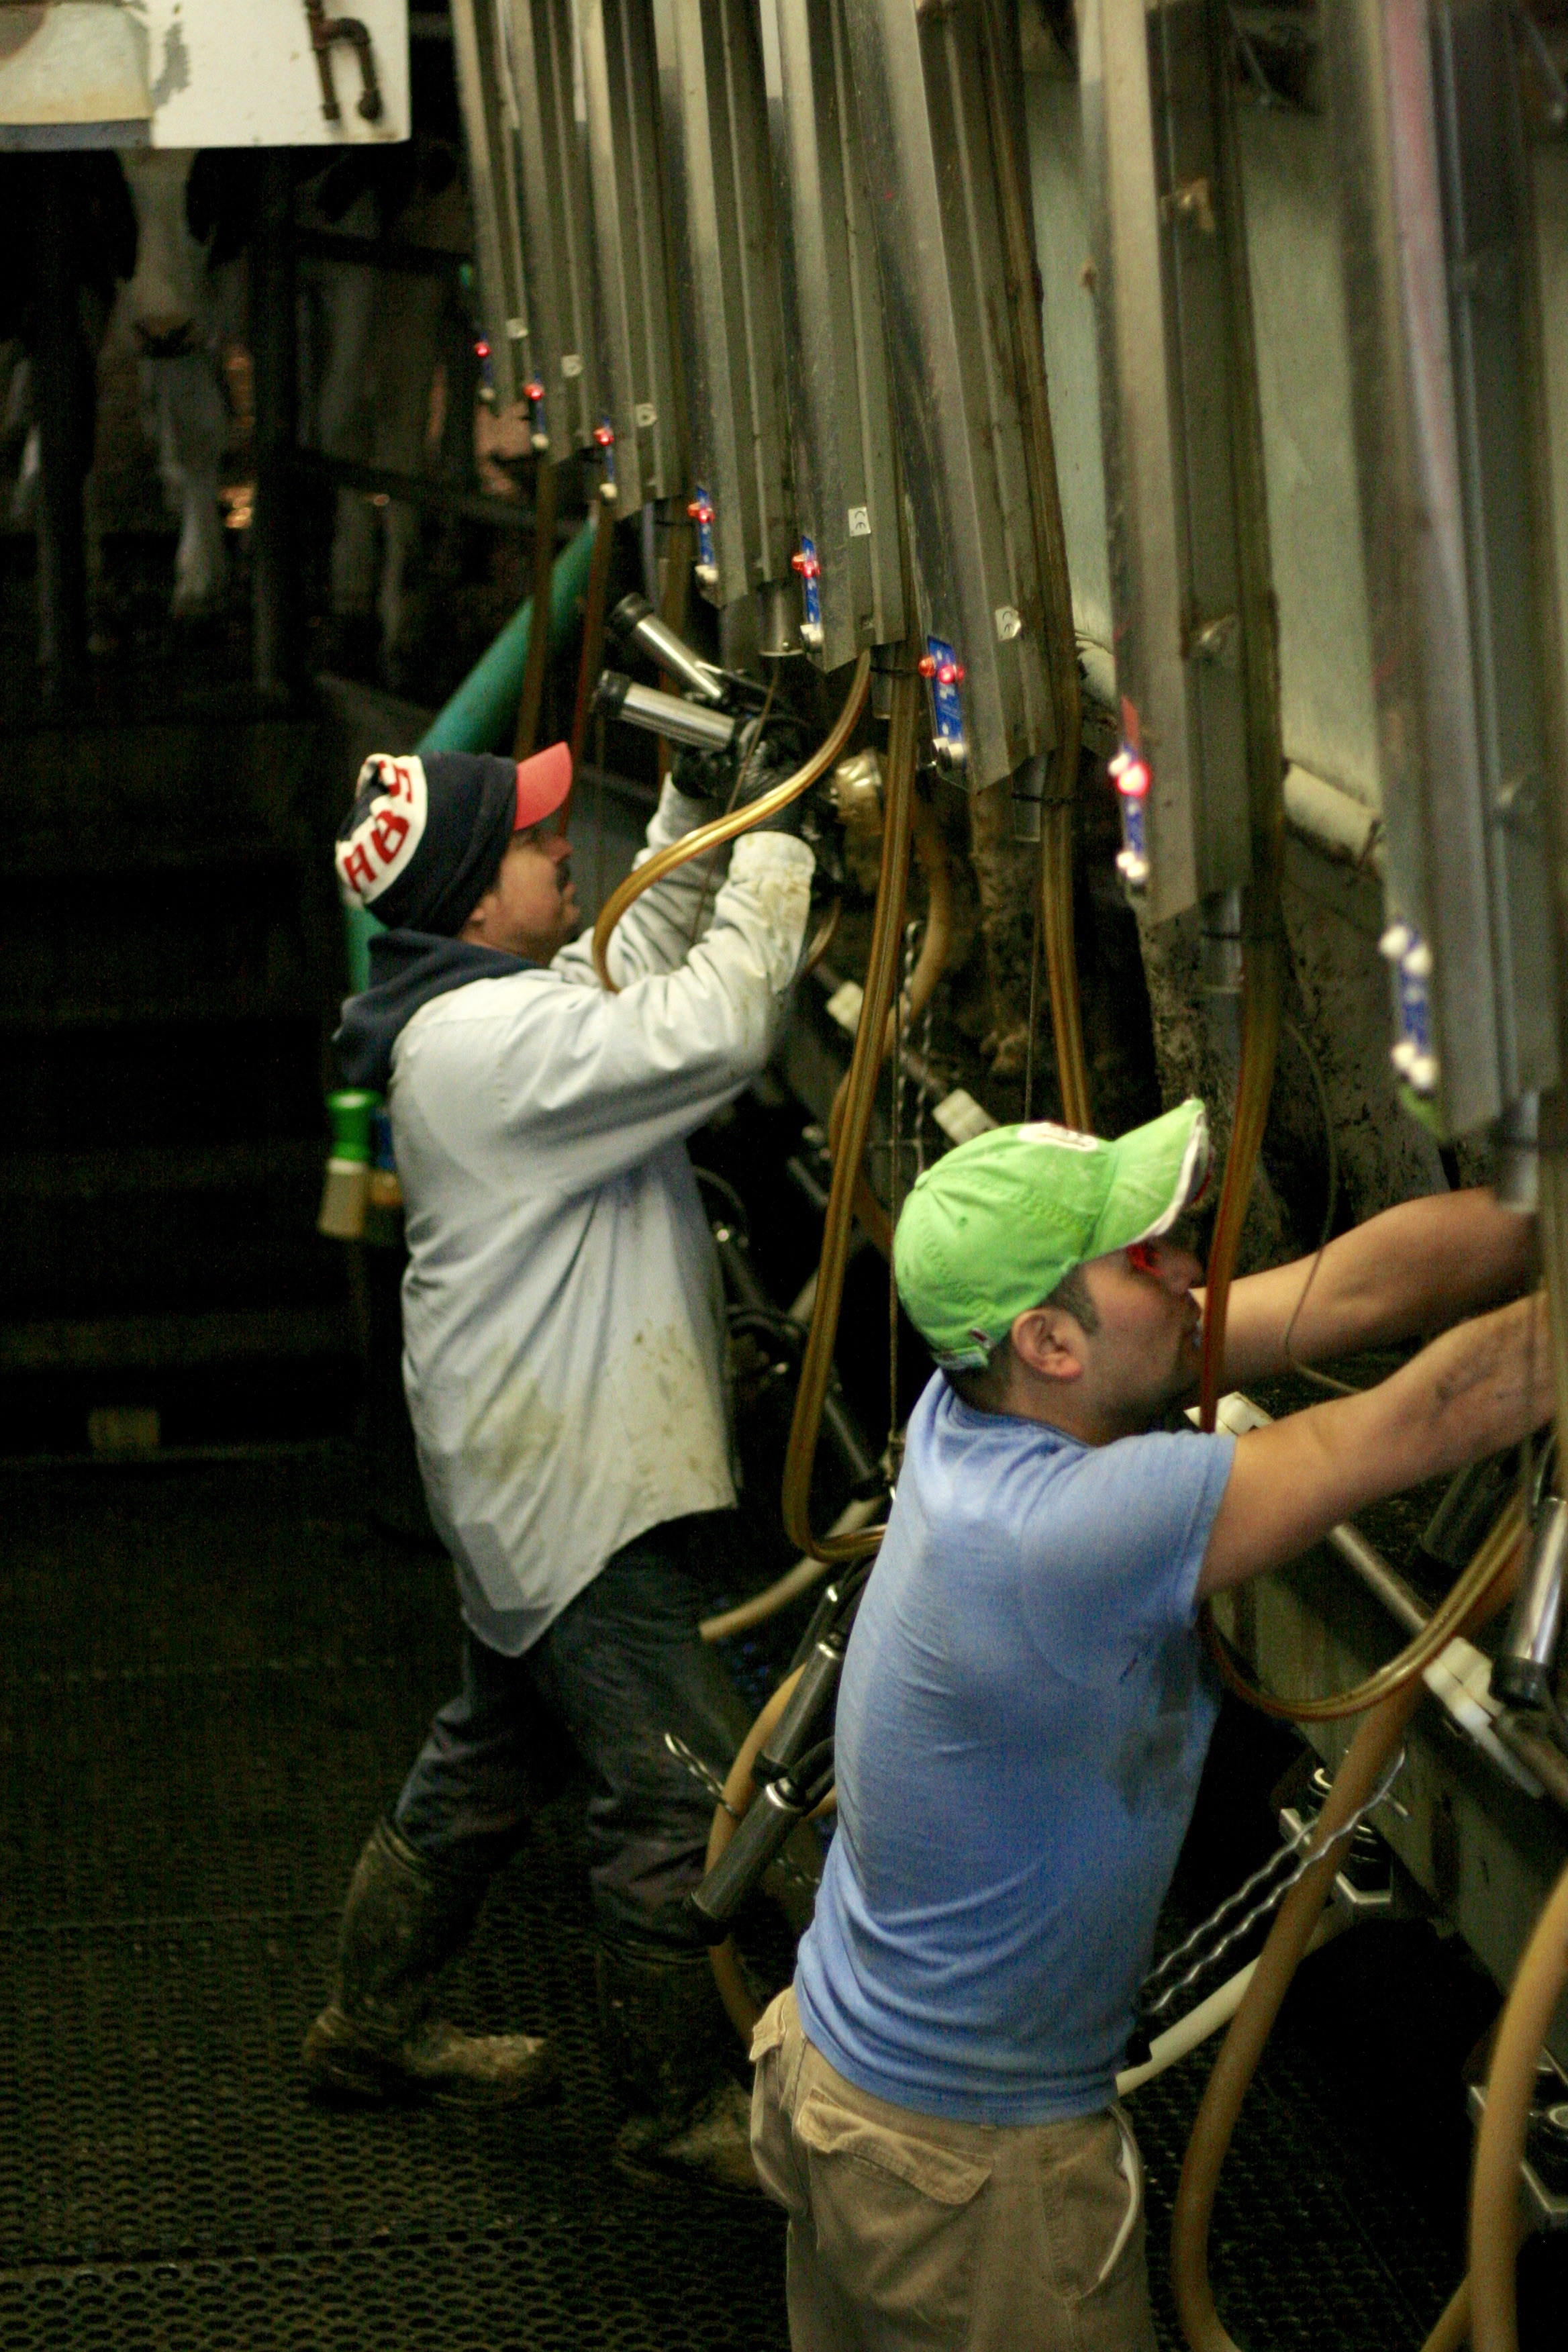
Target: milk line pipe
column 726, row 828
column 881, row 978
column 1376, row 1739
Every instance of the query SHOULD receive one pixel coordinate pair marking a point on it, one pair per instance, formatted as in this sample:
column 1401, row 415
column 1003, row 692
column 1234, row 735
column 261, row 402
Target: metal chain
column 1260, row 1909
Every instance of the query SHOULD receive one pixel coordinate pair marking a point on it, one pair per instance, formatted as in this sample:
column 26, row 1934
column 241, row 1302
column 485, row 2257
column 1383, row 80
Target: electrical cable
column 531, row 697
column 731, row 1198
column 1377, row 1737
column 725, row 828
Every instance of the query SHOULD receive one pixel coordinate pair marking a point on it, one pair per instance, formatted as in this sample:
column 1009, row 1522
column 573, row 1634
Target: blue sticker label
column 947, row 710
column 704, row 505
column 810, row 592
column 1415, row 1008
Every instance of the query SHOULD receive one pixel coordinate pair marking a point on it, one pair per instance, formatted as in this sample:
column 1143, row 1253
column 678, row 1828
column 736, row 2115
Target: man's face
column 1146, row 1354
column 533, row 908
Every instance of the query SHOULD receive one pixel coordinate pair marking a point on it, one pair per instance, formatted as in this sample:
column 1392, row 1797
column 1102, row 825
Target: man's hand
column 1404, row 1274
column 1482, row 1386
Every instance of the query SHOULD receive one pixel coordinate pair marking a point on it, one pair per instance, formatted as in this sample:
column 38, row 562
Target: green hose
column 480, row 716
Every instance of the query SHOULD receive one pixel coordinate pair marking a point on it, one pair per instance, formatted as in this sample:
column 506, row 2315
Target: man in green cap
column 1023, row 1712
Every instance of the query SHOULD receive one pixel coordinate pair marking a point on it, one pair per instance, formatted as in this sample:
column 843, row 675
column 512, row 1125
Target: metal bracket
column 328, row 33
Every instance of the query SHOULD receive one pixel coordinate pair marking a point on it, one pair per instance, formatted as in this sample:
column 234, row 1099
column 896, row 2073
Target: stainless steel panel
column 837, row 369
column 549, row 106
column 1152, row 94
column 488, row 132
column 1437, row 237
column 639, row 396
column 726, row 290
column 931, row 170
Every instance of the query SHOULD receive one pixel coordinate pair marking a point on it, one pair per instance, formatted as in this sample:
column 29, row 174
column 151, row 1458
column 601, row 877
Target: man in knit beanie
column 563, row 1330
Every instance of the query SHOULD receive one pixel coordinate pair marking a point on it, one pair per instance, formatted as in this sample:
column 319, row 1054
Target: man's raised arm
column 1402, row 1275
column 1482, row 1386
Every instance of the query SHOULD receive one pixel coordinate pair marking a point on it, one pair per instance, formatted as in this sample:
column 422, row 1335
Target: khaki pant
column 909, row 2233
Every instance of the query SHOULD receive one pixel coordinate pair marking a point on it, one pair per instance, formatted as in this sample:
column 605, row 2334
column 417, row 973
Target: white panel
column 200, row 73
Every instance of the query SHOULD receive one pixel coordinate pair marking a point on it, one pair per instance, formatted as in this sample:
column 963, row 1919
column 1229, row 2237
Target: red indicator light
column 534, row 391
column 947, row 675
column 481, row 350
column 604, row 436
column 1130, row 775
column 700, row 512
column 927, row 664
column 959, row 672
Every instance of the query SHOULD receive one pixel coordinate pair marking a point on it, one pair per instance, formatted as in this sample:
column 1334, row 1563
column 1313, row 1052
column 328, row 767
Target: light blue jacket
column 562, row 1312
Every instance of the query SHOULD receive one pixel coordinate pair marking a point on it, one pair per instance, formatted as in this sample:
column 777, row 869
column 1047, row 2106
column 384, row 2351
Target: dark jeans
column 620, row 1666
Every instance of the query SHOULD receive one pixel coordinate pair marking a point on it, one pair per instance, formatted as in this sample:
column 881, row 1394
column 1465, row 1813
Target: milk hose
column 1376, row 1739
column 1433, row 1638
column 881, row 978
column 1538, row 1983
column 532, row 694
column 1500, row 2146
column 725, row 828
column 739, row 1791
column 929, row 965
column 1023, row 282
column 791, row 1584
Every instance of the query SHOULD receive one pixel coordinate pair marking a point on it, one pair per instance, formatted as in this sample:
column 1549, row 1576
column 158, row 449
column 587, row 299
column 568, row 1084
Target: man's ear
column 473, row 928
column 1049, row 1343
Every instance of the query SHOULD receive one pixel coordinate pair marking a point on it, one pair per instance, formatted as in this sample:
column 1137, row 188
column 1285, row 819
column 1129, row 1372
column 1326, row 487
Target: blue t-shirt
column 1023, row 1717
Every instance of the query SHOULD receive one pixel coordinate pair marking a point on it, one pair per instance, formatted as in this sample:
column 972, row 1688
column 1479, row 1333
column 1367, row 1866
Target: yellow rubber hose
column 725, row 828
column 1490, row 1562
column 881, row 978
column 1376, row 1739
column 739, row 1791
column 1500, row 2146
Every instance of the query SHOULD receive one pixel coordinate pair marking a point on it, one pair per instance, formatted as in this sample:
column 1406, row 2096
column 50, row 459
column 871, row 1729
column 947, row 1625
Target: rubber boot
column 377, row 2038
column 672, row 2048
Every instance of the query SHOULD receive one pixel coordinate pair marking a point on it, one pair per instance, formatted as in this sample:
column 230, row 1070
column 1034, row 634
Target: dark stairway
column 170, row 977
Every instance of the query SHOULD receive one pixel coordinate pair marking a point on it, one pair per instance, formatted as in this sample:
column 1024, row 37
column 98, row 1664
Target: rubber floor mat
column 212, row 1679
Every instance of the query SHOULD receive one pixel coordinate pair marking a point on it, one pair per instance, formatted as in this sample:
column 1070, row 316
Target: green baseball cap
column 991, row 1228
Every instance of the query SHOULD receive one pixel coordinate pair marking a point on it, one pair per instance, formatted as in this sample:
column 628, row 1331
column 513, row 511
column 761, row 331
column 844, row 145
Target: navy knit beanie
column 421, row 845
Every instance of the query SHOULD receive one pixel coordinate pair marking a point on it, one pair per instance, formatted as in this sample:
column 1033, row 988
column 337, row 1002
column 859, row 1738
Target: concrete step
column 190, row 1227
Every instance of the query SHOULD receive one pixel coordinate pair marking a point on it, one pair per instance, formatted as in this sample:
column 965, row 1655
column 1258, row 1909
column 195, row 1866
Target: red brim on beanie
column 543, row 781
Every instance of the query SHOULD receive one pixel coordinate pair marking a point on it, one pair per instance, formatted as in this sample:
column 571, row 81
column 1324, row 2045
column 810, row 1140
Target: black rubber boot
column 377, row 2038
column 673, row 2053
